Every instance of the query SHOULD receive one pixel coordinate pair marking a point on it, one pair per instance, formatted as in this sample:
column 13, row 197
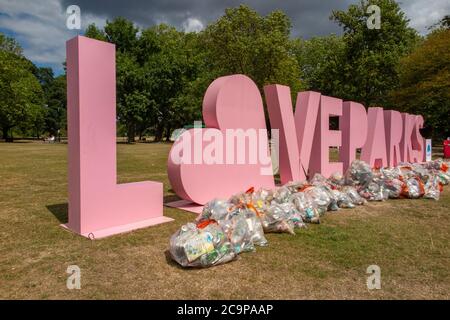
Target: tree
column 130, row 83
column 153, row 71
column 425, row 82
column 244, row 42
column 369, row 68
column 92, row 31
column 320, row 60
column 10, row 45
column 168, row 68
column 21, row 96
column 56, row 102
column 123, row 34
column 445, row 22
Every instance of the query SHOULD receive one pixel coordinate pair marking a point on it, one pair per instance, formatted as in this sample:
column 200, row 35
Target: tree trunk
column 5, row 133
column 131, row 130
column 159, row 133
column 6, row 136
column 168, row 131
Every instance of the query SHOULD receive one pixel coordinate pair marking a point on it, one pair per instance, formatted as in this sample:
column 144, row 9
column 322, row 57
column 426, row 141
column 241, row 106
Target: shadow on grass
column 60, row 211
column 171, row 198
column 172, row 263
column 15, row 141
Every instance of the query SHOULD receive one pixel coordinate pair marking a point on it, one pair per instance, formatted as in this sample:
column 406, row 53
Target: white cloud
column 41, row 28
column 192, row 25
column 425, row 13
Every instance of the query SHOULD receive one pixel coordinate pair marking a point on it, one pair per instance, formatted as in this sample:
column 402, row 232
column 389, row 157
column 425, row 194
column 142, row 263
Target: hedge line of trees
column 162, row 73
column 32, row 100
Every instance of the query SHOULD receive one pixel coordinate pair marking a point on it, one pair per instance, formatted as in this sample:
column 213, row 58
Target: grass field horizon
column 408, row 239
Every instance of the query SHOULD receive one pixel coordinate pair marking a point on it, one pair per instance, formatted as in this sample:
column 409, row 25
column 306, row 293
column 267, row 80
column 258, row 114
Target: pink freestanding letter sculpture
column 417, row 141
column 281, row 114
column 406, row 143
column 98, row 206
column 394, row 130
column 374, row 150
column 324, row 138
column 353, row 125
column 230, row 102
column 306, row 112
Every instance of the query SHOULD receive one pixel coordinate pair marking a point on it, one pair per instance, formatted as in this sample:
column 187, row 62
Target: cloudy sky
column 40, row 26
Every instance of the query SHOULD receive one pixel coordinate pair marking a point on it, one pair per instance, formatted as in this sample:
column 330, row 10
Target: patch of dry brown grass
column 408, row 239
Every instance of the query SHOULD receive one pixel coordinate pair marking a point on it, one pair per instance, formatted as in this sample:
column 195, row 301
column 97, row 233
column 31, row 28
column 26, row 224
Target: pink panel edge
column 99, row 234
column 185, row 205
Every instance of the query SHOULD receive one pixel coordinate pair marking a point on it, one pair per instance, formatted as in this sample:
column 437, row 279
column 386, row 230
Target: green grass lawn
column 408, row 239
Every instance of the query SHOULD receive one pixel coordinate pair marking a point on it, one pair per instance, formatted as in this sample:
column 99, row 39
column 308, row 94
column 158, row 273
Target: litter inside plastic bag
column 293, row 214
column 216, row 209
column 238, row 232
column 226, row 228
column 343, row 200
column 413, row 188
column 359, row 173
column 354, row 196
column 307, row 208
column 322, row 197
column 275, row 219
column 433, row 188
column 191, row 246
column 393, row 187
column 336, row 180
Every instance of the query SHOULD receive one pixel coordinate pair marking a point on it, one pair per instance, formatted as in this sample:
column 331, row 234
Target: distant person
column 50, row 139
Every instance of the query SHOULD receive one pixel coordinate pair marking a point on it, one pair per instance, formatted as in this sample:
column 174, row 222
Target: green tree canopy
column 153, row 70
column 56, row 102
column 242, row 41
column 369, row 66
column 425, row 82
column 320, row 60
column 21, row 96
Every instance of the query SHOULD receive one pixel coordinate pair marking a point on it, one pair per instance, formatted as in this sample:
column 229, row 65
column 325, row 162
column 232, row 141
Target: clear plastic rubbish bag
column 274, row 219
column 343, row 200
column 359, row 173
column 256, row 230
column 413, row 188
column 296, row 186
column 306, row 207
column 354, row 196
column 319, row 180
column 281, row 194
column 393, row 187
column 374, row 191
column 322, row 197
column 293, row 214
column 433, row 188
column 421, row 172
column 444, row 177
column 238, row 233
column 390, row 173
column 216, row 209
column 336, row 180
column 191, row 246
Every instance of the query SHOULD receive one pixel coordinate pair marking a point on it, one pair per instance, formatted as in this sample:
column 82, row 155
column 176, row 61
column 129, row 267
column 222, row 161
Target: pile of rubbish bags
column 226, row 228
